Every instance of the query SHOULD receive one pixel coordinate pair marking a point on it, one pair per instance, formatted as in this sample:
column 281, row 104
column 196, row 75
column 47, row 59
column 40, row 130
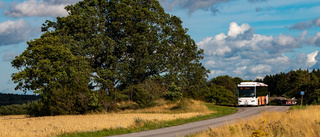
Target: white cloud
column 240, row 70
column 260, row 69
column 46, row 8
column 311, row 60
column 235, row 30
column 306, row 25
column 315, row 40
column 302, row 25
column 217, row 73
column 13, row 32
column 210, row 63
column 284, row 40
column 193, row 5
column 282, row 60
column 317, row 22
column 242, row 53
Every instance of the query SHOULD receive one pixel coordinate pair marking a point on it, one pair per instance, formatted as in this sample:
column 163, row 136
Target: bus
column 252, row 94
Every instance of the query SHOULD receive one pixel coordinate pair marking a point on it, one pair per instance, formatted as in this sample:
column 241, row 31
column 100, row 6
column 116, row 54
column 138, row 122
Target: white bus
column 252, row 94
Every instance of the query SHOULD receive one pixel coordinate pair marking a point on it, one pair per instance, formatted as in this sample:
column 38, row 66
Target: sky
column 241, row 38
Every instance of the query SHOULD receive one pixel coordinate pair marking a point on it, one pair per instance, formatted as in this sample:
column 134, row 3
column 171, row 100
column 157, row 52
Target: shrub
column 145, row 93
column 219, row 95
column 139, row 122
column 36, row 108
column 183, row 105
column 173, row 96
column 174, row 93
column 13, row 109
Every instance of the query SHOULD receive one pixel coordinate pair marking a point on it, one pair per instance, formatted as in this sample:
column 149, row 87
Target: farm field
column 297, row 123
column 22, row 126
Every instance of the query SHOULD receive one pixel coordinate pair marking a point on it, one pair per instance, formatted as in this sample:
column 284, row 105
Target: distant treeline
column 290, row 85
column 9, row 99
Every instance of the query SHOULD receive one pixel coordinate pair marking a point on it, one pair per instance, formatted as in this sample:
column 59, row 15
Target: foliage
column 10, row 99
column 173, row 93
column 226, row 81
column 145, row 94
column 219, row 95
column 182, row 105
column 13, row 109
column 290, row 84
column 36, row 108
column 109, row 46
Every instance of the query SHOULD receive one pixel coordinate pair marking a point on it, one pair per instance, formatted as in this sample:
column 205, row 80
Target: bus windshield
column 246, row 92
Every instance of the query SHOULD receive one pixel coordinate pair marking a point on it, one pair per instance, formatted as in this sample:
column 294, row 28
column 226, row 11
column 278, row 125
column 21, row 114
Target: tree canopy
column 290, row 85
column 104, row 46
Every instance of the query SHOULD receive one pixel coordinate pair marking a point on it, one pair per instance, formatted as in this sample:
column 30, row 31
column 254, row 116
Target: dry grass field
column 22, row 126
column 296, row 123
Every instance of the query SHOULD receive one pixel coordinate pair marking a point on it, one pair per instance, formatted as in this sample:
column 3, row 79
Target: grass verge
column 299, row 122
column 149, row 125
column 297, row 107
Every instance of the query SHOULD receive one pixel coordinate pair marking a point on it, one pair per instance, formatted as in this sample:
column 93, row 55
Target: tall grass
column 149, row 125
column 183, row 106
column 294, row 123
column 22, row 126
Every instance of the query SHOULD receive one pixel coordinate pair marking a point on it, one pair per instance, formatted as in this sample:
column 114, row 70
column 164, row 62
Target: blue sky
column 240, row 38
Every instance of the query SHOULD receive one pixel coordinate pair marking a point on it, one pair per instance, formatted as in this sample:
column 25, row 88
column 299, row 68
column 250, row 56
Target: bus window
column 246, row 91
column 262, row 91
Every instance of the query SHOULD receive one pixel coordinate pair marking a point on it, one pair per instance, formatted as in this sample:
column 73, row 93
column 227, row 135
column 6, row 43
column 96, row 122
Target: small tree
column 50, row 69
column 219, row 95
column 173, row 93
column 147, row 92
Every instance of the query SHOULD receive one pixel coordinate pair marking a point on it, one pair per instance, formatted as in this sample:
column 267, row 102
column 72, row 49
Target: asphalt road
column 186, row 129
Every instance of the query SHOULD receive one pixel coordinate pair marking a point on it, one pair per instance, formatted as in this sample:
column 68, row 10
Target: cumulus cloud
column 317, row 64
column 45, row 8
column 311, row 58
column 316, row 22
column 210, row 64
column 13, row 32
column 302, row 25
column 242, row 53
column 193, row 5
column 315, row 40
column 209, row 5
column 306, row 25
column 261, row 68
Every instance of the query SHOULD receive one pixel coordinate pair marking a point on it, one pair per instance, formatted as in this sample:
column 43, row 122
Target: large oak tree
column 111, row 44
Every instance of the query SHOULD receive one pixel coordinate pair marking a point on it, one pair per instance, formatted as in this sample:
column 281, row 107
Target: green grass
column 221, row 111
column 297, row 107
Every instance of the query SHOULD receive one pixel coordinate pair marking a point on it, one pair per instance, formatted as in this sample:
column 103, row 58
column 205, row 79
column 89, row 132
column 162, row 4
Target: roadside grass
column 298, row 122
column 297, row 107
column 143, row 125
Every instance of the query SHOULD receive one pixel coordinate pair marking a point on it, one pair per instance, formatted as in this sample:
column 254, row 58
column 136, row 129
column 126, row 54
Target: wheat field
column 296, row 123
column 22, row 126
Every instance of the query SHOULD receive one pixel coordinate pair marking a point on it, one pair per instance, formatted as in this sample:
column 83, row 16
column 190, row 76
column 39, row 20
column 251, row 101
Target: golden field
column 22, row 126
column 296, row 123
